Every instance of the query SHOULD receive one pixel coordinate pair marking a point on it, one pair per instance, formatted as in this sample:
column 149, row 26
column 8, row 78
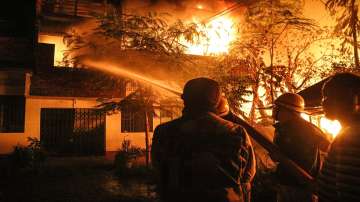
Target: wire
column 223, row 12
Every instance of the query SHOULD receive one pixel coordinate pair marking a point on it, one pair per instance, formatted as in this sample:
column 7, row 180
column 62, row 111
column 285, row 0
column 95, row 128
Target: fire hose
column 298, row 172
column 294, row 169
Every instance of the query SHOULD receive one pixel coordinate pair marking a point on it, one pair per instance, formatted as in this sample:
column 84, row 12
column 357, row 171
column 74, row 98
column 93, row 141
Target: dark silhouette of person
column 223, row 110
column 299, row 140
column 200, row 156
column 340, row 176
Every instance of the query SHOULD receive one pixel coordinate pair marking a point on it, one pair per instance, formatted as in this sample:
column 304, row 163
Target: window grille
column 134, row 121
column 12, row 114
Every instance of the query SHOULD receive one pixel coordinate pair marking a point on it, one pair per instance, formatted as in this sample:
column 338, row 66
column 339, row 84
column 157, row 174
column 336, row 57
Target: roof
column 313, row 95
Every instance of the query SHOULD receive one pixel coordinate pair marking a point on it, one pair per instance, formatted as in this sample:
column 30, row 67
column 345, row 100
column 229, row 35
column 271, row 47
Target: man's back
column 340, row 176
column 300, row 141
column 201, row 158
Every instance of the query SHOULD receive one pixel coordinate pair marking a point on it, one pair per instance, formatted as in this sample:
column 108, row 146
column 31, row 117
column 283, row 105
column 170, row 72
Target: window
column 134, row 121
column 12, row 114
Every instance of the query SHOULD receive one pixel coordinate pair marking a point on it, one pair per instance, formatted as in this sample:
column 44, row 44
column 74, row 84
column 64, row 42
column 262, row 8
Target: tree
column 347, row 24
column 152, row 34
column 268, row 23
column 267, row 59
column 147, row 33
column 142, row 100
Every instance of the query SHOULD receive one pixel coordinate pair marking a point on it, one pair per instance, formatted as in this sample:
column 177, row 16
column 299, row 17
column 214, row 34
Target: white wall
column 33, row 106
column 114, row 137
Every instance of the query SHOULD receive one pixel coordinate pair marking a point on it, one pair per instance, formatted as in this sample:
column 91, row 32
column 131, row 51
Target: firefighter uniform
column 200, row 157
column 300, row 141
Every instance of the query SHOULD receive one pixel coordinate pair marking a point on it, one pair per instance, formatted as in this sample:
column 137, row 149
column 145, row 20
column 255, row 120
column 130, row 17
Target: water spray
column 117, row 70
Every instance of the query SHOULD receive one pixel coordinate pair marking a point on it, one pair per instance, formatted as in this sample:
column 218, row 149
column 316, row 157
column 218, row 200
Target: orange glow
column 305, row 116
column 332, row 127
column 60, row 47
column 199, row 6
column 219, row 33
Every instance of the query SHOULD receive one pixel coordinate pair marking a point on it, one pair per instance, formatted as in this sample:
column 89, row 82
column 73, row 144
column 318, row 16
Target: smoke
column 141, row 62
column 181, row 9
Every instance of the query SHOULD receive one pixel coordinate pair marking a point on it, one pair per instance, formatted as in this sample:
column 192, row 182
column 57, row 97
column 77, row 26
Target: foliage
column 267, row 60
column 116, row 32
column 347, row 26
column 30, row 156
column 125, row 156
column 150, row 32
column 141, row 100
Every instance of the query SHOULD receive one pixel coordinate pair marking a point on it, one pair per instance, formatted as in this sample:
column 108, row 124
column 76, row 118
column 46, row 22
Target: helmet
column 291, row 101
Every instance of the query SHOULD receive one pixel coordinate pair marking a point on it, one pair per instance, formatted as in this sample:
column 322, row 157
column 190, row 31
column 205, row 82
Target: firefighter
column 339, row 177
column 223, row 110
column 300, row 141
column 200, row 156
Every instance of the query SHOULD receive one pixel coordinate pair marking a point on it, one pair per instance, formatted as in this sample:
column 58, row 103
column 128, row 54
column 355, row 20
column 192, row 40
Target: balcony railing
column 76, row 8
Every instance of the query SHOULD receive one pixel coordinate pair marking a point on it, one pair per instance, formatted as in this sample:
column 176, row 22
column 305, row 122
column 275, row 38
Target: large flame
column 219, row 33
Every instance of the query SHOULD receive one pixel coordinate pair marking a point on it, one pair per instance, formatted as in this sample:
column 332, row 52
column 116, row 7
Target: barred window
column 134, row 121
column 12, row 114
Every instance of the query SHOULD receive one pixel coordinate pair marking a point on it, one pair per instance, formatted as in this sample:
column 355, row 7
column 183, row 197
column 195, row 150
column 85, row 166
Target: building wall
column 114, row 137
column 33, row 106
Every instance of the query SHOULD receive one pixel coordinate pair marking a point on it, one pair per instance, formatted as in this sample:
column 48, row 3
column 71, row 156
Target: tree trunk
column 147, row 128
column 271, row 69
column 354, row 33
column 252, row 114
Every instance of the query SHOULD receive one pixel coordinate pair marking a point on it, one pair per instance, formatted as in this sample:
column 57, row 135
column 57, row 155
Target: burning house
column 59, row 105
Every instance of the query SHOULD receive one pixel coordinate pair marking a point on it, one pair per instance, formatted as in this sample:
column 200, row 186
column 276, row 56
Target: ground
column 74, row 179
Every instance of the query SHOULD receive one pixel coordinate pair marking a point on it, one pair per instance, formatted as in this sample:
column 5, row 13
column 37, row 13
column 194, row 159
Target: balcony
column 65, row 9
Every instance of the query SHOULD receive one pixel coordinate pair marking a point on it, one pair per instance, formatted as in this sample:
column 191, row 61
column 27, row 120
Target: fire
column 219, row 33
column 332, row 127
column 199, row 6
column 328, row 126
column 305, row 116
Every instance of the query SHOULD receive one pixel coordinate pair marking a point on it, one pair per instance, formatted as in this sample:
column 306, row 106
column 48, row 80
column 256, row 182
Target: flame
column 200, row 6
column 60, row 47
column 328, row 126
column 332, row 127
column 219, row 33
column 305, row 117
